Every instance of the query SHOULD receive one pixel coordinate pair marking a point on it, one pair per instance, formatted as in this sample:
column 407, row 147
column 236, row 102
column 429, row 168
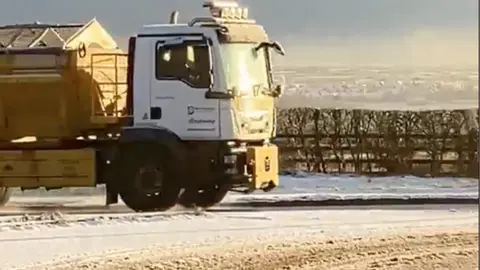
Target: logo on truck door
column 201, row 121
column 192, row 109
column 201, row 124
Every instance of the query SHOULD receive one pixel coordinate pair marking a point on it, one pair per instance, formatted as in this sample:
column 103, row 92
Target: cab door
column 182, row 73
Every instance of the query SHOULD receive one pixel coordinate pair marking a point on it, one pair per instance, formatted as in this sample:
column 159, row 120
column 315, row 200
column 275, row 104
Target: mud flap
column 111, row 196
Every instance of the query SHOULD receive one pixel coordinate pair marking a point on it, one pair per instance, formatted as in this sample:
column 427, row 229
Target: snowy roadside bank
column 301, row 188
column 307, row 190
column 92, row 243
column 322, row 183
column 411, row 251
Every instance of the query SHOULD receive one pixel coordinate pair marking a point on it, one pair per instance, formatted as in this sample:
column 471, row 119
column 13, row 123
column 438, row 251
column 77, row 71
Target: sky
column 416, row 32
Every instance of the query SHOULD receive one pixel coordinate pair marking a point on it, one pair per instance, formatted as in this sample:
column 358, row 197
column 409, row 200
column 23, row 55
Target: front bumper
column 262, row 166
column 254, row 167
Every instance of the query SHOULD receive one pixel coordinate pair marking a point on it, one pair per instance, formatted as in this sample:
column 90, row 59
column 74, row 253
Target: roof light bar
column 226, row 10
column 220, row 3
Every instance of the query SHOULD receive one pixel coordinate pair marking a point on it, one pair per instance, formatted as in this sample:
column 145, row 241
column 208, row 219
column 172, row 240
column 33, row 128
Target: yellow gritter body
column 68, row 81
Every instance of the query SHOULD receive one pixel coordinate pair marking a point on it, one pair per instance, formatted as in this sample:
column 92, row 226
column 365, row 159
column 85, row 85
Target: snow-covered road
column 72, row 229
column 299, row 185
column 86, row 240
column 299, row 189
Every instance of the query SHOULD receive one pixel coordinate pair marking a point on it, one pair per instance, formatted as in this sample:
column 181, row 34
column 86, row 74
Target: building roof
column 37, row 35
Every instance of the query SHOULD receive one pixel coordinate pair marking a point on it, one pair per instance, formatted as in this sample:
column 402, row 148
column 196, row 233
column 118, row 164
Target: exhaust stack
column 174, row 17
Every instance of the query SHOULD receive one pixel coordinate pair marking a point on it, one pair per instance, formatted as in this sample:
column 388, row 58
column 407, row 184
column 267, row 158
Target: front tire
column 205, row 197
column 5, row 195
column 147, row 174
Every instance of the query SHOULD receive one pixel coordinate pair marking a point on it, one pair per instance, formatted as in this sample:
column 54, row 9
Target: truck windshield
column 246, row 69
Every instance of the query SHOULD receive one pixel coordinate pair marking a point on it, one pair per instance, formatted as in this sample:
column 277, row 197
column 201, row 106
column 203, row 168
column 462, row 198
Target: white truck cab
column 203, row 92
column 210, row 79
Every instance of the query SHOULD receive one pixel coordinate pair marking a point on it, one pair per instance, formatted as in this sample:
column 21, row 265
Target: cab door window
column 188, row 62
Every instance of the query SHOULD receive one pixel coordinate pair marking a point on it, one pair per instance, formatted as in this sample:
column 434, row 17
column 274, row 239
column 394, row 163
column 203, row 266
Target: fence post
column 473, row 165
column 358, row 153
column 319, row 164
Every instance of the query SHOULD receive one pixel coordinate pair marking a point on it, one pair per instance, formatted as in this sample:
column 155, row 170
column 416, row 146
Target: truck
column 186, row 116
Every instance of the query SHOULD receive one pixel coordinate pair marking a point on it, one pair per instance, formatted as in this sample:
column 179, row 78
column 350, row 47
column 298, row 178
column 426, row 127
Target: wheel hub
column 149, row 179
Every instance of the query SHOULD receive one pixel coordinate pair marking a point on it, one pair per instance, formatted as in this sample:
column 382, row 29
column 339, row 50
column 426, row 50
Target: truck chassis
column 148, row 174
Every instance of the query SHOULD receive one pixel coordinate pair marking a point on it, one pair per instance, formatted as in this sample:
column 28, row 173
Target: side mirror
column 278, row 48
column 262, row 45
column 233, row 92
column 278, row 91
column 274, row 45
column 218, row 95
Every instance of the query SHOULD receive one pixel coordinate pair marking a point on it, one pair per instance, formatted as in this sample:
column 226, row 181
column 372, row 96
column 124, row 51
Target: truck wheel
column 5, row 195
column 149, row 177
column 204, row 198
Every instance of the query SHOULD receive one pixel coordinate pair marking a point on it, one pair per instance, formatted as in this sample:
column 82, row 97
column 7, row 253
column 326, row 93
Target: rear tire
column 5, row 195
column 147, row 175
column 204, row 198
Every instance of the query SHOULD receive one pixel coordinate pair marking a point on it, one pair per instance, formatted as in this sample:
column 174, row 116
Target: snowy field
column 379, row 87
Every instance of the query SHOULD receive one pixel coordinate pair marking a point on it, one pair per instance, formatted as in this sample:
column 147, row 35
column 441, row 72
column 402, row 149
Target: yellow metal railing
column 108, row 83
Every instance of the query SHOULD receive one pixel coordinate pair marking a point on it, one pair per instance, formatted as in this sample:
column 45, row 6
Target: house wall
column 93, row 32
